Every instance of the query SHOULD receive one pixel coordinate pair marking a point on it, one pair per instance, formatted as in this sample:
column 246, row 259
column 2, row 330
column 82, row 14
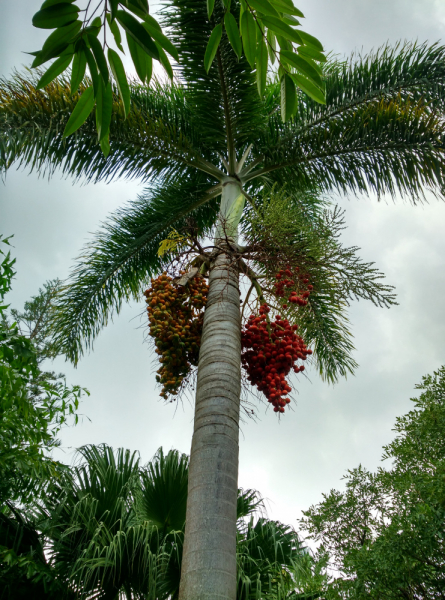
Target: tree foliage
column 385, row 533
column 112, row 526
column 254, row 27
column 34, row 404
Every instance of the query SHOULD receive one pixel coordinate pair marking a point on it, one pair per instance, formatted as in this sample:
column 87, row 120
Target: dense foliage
column 385, row 533
column 111, row 527
column 34, row 405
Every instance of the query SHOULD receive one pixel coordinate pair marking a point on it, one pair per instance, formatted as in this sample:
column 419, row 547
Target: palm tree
column 207, row 144
column 116, row 529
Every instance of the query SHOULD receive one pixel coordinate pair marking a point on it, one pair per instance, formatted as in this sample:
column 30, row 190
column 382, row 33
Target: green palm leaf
column 124, row 255
column 117, row 528
column 381, row 129
column 225, row 101
column 163, row 496
column 386, row 147
column 155, row 139
column 267, row 554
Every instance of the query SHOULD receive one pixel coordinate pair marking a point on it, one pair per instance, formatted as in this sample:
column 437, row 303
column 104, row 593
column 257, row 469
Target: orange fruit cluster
column 175, row 315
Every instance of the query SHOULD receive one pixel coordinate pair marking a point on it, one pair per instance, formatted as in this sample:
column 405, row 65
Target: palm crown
column 381, row 130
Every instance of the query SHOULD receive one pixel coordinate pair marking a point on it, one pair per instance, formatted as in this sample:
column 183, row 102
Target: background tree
column 209, row 136
column 34, row 405
column 385, row 532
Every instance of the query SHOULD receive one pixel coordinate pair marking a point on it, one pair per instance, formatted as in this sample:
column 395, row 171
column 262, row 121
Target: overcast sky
column 332, row 428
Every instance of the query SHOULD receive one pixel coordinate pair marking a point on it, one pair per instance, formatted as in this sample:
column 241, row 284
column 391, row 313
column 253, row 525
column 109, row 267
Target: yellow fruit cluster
column 175, row 314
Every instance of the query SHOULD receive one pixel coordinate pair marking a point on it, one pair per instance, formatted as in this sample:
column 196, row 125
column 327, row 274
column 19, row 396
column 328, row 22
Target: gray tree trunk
column 209, row 557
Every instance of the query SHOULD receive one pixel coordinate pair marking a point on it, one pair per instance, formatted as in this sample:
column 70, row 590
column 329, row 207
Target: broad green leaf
column 310, row 52
column 212, row 46
column 99, row 55
column 284, row 44
column 118, row 71
column 290, row 20
column 310, row 40
column 264, row 7
column 227, row 4
column 138, row 56
column 138, row 33
column 54, row 71
column 104, row 109
column 97, row 23
column 57, row 42
column 261, row 66
column 313, row 64
column 114, row 28
column 92, row 68
column 58, row 15
column 288, row 97
column 78, row 70
column 271, row 45
column 309, row 88
column 141, row 4
column 138, row 9
column 280, row 28
column 287, row 7
column 114, row 5
column 90, row 31
column 303, row 66
column 233, row 33
column 154, row 29
column 49, row 3
column 149, row 63
column 249, row 36
column 210, row 7
column 81, row 111
column 105, row 146
column 163, row 59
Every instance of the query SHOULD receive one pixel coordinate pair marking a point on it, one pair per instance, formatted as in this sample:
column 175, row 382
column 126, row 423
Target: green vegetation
column 385, row 533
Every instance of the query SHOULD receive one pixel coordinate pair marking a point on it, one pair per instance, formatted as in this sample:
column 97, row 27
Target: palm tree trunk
column 209, row 558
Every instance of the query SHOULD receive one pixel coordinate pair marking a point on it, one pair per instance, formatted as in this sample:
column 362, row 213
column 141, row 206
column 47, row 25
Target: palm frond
column 157, row 138
column 300, row 229
column 324, row 326
column 124, row 255
column 415, row 71
column 387, row 147
column 248, row 503
column 267, row 555
column 163, row 496
column 225, row 103
column 382, row 129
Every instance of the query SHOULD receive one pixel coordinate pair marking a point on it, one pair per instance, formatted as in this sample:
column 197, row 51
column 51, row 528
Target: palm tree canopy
column 381, row 131
column 115, row 526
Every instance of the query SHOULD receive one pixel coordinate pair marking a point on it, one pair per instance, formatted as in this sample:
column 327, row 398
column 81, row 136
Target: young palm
column 116, row 529
column 206, row 144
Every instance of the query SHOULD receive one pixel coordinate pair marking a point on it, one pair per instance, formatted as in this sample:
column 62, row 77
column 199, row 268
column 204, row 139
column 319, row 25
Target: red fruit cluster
column 269, row 352
column 286, row 280
column 175, row 316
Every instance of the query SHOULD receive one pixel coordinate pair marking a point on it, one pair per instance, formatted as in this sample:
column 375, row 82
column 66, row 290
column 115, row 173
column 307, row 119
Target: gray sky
column 332, row 428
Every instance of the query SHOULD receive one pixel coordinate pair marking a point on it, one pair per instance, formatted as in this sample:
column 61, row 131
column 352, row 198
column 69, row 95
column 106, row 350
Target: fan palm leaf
column 117, row 528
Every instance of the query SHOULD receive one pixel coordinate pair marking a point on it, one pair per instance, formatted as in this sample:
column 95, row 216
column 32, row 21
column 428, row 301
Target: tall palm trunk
column 209, row 559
